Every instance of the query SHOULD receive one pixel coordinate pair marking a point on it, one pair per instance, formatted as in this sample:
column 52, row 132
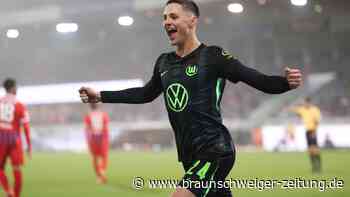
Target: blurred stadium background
column 97, row 47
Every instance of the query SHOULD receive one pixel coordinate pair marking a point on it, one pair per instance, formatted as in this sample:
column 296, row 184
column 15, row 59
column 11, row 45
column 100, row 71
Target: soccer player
column 13, row 115
column 311, row 116
column 96, row 129
column 192, row 80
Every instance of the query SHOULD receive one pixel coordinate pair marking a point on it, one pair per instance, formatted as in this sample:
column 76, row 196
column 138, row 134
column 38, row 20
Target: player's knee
column 16, row 168
column 314, row 149
column 182, row 192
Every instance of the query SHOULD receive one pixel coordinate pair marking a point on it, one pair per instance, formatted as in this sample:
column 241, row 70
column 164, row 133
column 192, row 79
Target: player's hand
column 294, row 77
column 89, row 95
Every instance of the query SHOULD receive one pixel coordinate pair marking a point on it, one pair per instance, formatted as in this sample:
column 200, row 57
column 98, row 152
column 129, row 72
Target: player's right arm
column 132, row 95
column 295, row 109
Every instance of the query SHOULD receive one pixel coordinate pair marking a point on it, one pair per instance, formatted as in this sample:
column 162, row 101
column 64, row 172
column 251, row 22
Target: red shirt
column 13, row 114
column 96, row 125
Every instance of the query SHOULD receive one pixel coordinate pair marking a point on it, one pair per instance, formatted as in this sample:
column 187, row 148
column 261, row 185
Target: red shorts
column 98, row 148
column 14, row 152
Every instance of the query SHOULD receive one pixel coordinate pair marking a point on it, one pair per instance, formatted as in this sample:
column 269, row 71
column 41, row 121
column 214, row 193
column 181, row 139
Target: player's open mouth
column 171, row 33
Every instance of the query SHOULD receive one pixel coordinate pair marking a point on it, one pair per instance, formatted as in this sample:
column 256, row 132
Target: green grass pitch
column 71, row 175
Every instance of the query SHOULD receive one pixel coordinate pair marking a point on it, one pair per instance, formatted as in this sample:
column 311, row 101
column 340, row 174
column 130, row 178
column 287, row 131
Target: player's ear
column 193, row 21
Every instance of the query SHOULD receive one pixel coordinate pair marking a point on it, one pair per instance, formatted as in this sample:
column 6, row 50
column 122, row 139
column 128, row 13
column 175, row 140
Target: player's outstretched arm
column 232, row 69
column 269, row 84
column 132, row 95
column 140, row 95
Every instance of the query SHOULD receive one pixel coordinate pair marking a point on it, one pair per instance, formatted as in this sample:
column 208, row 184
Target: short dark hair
column 188, row 5
column 9, row 83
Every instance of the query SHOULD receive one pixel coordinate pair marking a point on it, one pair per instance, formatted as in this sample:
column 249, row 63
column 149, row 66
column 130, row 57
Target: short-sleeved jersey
column 13, row 114
column 96, row 124
column 310, row 116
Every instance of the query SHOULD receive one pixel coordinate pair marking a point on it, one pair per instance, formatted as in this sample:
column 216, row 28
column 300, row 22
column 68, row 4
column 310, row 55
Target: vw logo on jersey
column 191, row 70
column 177, row 97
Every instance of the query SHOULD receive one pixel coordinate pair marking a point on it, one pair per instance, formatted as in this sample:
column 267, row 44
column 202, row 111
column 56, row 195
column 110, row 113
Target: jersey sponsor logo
column 226, row 54
column 191, row 70
column 177, row 97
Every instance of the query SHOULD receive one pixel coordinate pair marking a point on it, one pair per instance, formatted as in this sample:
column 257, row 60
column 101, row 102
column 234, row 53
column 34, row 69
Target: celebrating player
column 13, row 115
column 96, row 129
column 192, row 79
column 311, row 116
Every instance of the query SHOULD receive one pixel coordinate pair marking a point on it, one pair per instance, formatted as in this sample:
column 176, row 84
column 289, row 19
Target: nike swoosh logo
column 163, row 73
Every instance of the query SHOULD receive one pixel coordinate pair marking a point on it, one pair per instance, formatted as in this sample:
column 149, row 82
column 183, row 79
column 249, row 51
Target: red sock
column 18, row 182
column 3, row 181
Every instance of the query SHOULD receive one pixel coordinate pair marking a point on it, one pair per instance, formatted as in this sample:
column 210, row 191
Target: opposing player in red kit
column 97, row 128
column 13, row 115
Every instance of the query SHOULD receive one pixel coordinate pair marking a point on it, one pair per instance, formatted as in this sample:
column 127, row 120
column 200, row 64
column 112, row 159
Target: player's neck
column 10, row 93
column 188, row 46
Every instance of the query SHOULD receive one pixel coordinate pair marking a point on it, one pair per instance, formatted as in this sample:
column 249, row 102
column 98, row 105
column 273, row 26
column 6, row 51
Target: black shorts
column 311, row 138
column 204, row 178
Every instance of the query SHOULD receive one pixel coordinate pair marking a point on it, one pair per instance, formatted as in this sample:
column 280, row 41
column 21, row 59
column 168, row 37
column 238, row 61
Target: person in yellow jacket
column 311, row 116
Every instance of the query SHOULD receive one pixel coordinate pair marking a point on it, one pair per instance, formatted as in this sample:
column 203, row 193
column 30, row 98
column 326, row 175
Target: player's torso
column 10, row 121
column 96, row 122
column 192, row 93
column 309, row 116
column 9, row 114
column 190, row 85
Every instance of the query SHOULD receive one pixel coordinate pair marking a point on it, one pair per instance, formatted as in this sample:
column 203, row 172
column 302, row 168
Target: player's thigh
column 201, row 178
column 314, row 149
column 4, row 153
column 16, row 155
column 311, row 138
column 99, row 152
column 312, row 142
column 197, row 178
column 225, row 165
column 92, row 147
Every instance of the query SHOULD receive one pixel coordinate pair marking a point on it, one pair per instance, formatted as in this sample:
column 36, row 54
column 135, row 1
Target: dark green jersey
column 192, row 87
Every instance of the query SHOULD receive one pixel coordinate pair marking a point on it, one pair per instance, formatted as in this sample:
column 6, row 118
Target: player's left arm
column 26, row 127
column 232, row 69
column 318, row 116
column 28, row 140
column 106, row 127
